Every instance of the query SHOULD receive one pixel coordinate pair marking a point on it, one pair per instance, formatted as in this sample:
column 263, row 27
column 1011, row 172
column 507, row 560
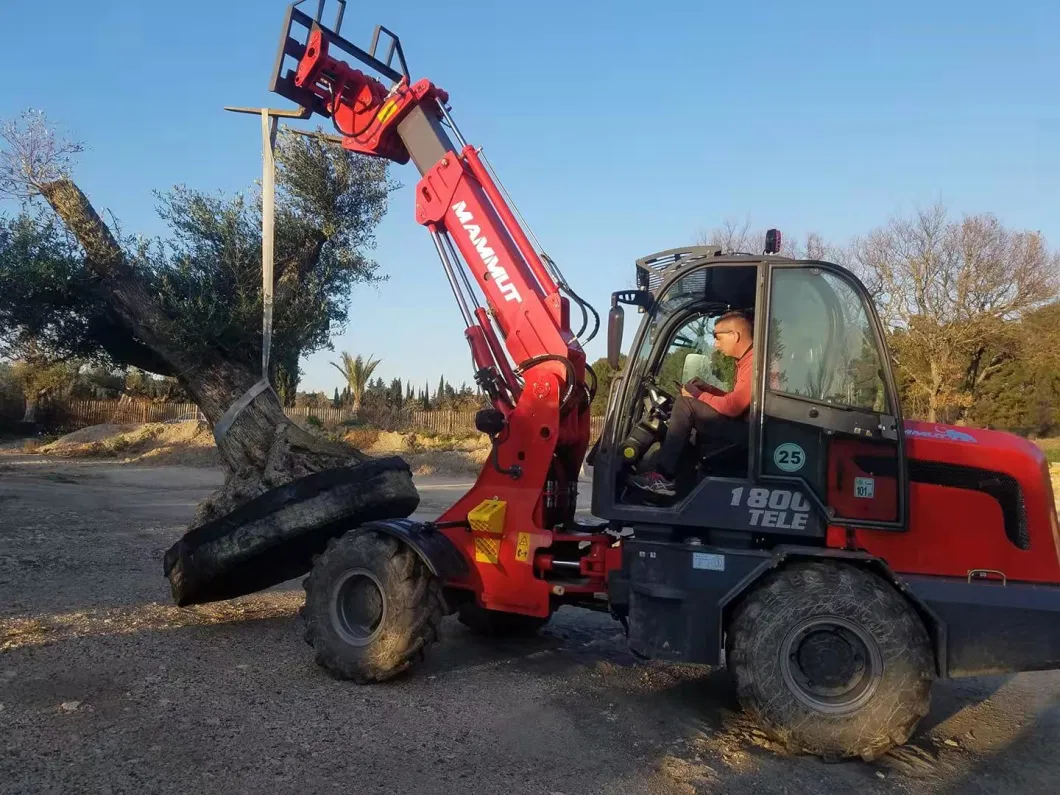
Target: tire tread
column 800, row 589
column 411, row 589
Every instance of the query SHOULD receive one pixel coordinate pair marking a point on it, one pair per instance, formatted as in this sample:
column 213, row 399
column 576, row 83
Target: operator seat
column 717, row 455
column 724, row 455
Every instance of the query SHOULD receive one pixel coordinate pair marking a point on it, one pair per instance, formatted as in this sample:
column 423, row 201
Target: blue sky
column 620, row 129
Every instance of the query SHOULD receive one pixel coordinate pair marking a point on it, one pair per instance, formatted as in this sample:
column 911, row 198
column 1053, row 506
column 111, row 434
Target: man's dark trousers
column 689, row 413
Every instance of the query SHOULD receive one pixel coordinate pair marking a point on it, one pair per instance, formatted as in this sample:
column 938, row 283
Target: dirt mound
column 427, row 454
column 192, row 444
column 447, row 462
column 93, row 433
column 160, row 443
column 390, row 442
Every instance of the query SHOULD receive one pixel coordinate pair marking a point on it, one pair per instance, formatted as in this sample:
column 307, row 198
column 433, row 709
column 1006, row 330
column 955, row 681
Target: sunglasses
column 719, row 333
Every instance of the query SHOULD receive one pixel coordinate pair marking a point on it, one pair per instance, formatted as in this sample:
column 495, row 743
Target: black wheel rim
column 358, row 607
column 831, row 664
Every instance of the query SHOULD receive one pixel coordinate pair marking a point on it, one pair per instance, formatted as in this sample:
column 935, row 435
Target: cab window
column 821, row 344
column 691, row 354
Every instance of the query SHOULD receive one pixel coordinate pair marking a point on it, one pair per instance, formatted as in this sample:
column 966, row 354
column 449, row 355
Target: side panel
column 953, row 531
column 862, row 480
column 731, row 504
column 676, row 594
column 979, row 500
column 992, row 628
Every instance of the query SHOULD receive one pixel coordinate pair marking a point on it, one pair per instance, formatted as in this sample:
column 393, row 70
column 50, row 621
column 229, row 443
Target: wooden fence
column 77, row 414
column 82, row 413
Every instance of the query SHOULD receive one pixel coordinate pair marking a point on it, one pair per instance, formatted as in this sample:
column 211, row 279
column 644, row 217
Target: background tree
column 98, row 383
column 953, row 292
column 189, row 306
column 10, row 392
column 41, row 378
column 605, row 377
column 357, row 373
column 396, row 394
column 741, row 237
column 1023, row 395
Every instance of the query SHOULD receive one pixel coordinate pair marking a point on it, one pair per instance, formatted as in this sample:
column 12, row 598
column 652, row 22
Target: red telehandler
column 836, row 558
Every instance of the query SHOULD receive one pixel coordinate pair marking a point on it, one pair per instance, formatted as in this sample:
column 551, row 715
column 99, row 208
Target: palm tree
column 357, row 373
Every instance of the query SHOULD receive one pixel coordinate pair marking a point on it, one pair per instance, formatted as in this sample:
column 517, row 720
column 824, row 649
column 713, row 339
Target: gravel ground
column 106, row 687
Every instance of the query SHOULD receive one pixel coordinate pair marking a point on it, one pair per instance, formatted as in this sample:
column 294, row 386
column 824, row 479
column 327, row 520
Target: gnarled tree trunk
column 263, row 449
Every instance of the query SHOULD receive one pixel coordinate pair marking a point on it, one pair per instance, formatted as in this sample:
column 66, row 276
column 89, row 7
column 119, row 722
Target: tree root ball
column 274, row 537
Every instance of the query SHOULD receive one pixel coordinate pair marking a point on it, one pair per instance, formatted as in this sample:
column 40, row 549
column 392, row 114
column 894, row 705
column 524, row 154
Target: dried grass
column 192, row 444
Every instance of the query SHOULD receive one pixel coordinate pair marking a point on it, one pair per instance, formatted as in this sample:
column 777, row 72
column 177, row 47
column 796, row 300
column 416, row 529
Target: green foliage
column 206, row 275
column 1019, row 397
column 99, row 383
column 605, row 378
column 47, row 299
column 10, row 392
column 396, row 394
column 357, row 372
column 1051, row 447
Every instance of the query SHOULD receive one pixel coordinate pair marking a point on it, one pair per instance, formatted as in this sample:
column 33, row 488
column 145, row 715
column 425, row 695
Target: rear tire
column 372, row 607
column 497, row 623
column 832, row 660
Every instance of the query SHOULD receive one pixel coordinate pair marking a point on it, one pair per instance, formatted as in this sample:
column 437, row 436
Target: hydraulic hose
column 553, row 357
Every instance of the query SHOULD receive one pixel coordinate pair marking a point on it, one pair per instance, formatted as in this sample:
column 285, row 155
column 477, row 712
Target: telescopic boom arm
column 463, row 208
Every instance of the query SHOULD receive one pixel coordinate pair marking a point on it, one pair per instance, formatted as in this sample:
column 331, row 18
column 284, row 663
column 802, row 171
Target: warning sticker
column 487, row 550
column 864, row 488
column 522, row 548
column 386, row 111
column 707, row 561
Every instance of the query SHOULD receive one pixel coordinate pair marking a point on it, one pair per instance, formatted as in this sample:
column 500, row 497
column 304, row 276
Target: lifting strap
column 268, row 204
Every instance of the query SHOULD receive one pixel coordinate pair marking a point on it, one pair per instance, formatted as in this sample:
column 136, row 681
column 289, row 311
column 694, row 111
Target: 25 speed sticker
column 779, row 508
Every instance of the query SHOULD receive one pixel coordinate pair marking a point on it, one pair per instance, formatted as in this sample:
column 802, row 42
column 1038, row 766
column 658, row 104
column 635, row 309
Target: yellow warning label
column 386, row 111
column 522, row 548
column 487, row 550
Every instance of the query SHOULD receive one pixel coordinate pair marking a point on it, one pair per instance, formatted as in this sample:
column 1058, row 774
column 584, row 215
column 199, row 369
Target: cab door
column 829, row 416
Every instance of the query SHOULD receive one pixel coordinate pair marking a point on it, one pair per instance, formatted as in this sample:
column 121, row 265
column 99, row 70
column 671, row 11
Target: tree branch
column 104, row 255
column 121, row 345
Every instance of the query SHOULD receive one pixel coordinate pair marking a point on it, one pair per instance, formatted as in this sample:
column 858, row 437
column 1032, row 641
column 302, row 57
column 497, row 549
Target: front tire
column 832, row 660
column 372, row 607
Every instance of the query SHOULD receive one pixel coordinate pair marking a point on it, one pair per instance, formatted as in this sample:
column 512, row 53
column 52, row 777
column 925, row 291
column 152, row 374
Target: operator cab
column 820, row 443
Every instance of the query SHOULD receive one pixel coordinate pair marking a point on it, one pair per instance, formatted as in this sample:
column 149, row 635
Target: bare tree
column 35, row 154
column 734, row 236
column 949, row 289
column 740, row 236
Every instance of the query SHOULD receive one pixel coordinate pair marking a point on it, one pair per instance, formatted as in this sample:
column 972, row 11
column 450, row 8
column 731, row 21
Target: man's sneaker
column 655, row 483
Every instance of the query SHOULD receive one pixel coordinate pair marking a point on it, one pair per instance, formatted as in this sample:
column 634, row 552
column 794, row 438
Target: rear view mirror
column 615, row 321
column 615, row 318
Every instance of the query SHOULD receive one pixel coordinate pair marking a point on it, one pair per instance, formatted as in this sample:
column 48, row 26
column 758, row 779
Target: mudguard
column 439, row 553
